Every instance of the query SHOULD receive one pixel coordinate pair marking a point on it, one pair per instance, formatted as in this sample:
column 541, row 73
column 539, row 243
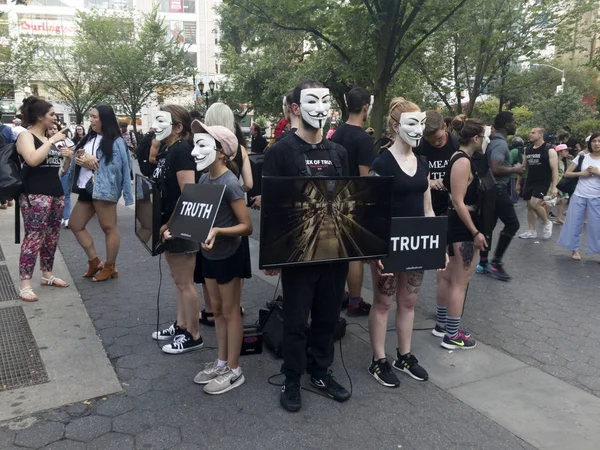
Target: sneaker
column 497, row 271
column 346, row 300
column 66, row 223
column 547, row 233
column 210, row 372
column 183, row 343
column 481, row 269
column 382, row 372
column 410, row 365
column 290, row 396
column 330, row 387
column 225, row 382
column 441, row 332
column 460, row 342
column 551, row 215
column 363, row 309
column 168, row 333
column 528, row 235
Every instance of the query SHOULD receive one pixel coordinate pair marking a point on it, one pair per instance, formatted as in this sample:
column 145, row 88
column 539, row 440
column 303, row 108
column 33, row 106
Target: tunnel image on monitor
column 309, row 220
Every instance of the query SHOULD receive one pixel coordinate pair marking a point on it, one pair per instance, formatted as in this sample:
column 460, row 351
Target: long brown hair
column 180, row 115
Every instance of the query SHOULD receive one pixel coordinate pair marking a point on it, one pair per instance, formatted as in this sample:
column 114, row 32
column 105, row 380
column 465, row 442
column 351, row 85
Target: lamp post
column 211, row 88
column 562, row 80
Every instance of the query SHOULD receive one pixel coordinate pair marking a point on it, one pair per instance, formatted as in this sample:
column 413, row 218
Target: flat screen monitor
column 314, row 220
column 147, row 214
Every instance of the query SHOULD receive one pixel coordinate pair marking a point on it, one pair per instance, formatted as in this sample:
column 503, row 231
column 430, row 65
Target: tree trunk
column 379, row 107
column 78, row 117
column 134, row 121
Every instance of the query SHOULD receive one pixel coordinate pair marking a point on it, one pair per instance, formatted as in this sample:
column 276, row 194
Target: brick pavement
column 160, row 407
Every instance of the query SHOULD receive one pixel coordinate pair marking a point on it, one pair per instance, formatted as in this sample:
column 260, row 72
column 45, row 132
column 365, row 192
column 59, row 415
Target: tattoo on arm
column 415, row 279
column 386, row 285
column 466, row 251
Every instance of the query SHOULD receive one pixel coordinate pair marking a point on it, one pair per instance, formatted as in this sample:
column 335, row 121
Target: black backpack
column 11, row 177
column 142, row 154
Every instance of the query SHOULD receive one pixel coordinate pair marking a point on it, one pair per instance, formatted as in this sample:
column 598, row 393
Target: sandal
column 27, row 295
column 204, row 318
column 53, row 281
column 576, row 256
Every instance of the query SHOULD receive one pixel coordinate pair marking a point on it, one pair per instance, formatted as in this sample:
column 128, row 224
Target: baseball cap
column 228, row 141
column 17, row 122
column 561, row 147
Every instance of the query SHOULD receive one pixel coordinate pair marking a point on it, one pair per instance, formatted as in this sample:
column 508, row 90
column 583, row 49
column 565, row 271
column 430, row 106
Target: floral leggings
column 41, row 220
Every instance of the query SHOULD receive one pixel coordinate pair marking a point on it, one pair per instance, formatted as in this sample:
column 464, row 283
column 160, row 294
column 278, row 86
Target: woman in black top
column 175, row 168
column 464, row 238
column 412, row 198
column 43, row 199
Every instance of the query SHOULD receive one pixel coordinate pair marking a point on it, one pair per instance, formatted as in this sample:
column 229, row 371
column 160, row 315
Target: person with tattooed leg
column 412, row 198
column 464, row 237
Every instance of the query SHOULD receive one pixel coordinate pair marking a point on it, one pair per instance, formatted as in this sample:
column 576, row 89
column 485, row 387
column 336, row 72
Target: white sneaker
column 66, row 223
column 528, row 235
column 547, row 233
column 224, row 382
column 210, row 372
column 62, row 222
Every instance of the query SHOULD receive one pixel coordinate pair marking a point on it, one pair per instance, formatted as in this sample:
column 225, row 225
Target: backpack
column 142, row 154
column 2, row 137
column 12, row 174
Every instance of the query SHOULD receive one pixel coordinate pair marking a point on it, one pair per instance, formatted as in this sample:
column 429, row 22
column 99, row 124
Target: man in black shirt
column 361, row 153
column 259, row 143
column 437, row 147
column 541, row 162
column 314, row 290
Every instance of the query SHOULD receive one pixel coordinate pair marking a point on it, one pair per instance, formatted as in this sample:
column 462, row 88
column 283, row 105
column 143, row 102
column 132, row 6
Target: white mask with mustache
column 314, row 106
column 163, row 124
column 411, row 127
column 370, row 106
column 205, row 150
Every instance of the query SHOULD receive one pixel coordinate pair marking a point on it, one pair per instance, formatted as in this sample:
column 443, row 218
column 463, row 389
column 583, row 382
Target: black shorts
column 458, row 231
column 225, row 270
column 84, row 196
column 178, row 246
column 536, row 191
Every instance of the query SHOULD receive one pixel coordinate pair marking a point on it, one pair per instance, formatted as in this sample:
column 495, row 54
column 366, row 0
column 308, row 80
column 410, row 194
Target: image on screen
column 310, row 220
column 147, row 213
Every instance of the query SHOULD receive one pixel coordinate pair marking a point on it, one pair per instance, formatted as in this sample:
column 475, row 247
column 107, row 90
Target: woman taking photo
column 412, row 198
column 586, row 198
column 66, row 147
column 464, row 237
column 100, row 174
column 176, row 167
column 43, row 199
column 224, row 255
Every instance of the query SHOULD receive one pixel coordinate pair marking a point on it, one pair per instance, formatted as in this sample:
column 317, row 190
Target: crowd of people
column 455, row 167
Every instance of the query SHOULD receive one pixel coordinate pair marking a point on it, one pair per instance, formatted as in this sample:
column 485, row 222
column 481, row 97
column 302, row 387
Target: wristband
column 475, row 235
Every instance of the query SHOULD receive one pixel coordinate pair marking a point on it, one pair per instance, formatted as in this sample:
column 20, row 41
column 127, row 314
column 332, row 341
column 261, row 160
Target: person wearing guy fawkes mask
column 316, row 289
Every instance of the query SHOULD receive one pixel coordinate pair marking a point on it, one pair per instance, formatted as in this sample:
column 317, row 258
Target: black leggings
column 502, row 208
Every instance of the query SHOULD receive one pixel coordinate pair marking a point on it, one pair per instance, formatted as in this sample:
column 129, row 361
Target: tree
column 18, row 62
column 136, row 58
column 377, row 37
column 555, row 111
column 73, row 80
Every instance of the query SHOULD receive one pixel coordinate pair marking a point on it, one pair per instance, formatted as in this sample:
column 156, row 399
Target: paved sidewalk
column 161, row 407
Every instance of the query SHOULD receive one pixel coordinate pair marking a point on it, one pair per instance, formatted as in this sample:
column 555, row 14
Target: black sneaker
column 168, row 333
column 382, row 372
column 346, row 300
column 460, row 342
column 497, row 271
column 440, row 332
column 183, row 343
column 290, row 396
column 362, row 309
column 410, row 365
column 330, row 387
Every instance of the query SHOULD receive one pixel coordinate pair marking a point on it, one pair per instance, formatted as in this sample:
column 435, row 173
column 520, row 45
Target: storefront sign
column 47, row 27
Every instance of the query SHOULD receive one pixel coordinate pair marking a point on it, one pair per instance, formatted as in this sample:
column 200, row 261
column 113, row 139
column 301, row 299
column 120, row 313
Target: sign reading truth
column 196, row 211
column 417, row 243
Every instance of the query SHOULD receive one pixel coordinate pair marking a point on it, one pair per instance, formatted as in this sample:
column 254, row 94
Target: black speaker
column 252, row 342
column 272, row 329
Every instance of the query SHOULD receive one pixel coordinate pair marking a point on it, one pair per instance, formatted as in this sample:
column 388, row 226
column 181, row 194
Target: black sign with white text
column 196, row 211
column 417, row 243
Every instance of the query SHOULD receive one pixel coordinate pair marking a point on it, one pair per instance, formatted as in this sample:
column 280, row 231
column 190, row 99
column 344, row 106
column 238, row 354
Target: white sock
column 221, row 363
column 237, row 371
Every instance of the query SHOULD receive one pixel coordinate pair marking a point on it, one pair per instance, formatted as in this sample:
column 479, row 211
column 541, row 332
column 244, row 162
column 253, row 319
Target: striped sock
column 442, row 313
column 452, row 324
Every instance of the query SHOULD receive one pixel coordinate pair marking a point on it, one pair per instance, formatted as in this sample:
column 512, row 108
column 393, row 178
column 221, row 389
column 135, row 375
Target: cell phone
column 80, row 153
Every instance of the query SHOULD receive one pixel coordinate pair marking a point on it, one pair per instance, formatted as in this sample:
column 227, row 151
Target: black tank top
column 409, row 191
column 472, row 194
column 539, row 172
column 43, row 179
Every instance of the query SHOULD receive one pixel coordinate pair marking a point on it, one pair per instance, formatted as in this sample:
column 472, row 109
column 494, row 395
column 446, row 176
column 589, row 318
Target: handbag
column 568, row 185
column 89, row 186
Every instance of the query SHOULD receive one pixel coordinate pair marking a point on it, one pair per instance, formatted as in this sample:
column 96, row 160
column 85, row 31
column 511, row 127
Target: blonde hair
column 220, row 114
column 399, row 105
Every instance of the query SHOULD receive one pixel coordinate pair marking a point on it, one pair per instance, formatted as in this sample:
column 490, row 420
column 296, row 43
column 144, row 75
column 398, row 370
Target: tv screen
column 147, row 214
column 312, row 220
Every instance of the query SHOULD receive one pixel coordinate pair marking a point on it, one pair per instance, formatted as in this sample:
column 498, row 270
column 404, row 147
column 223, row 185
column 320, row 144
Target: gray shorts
column 180, row 246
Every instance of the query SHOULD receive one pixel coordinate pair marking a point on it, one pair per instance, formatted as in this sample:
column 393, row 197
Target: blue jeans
column 65, row 184
column 570, row 235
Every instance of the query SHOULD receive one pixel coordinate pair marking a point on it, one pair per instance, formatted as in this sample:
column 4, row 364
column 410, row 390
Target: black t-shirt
column 358, row 144
column 409, row 192
column 538, row 166
column 174, row 159
column 438, row 159
column 292, row 159
column 43, row 179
